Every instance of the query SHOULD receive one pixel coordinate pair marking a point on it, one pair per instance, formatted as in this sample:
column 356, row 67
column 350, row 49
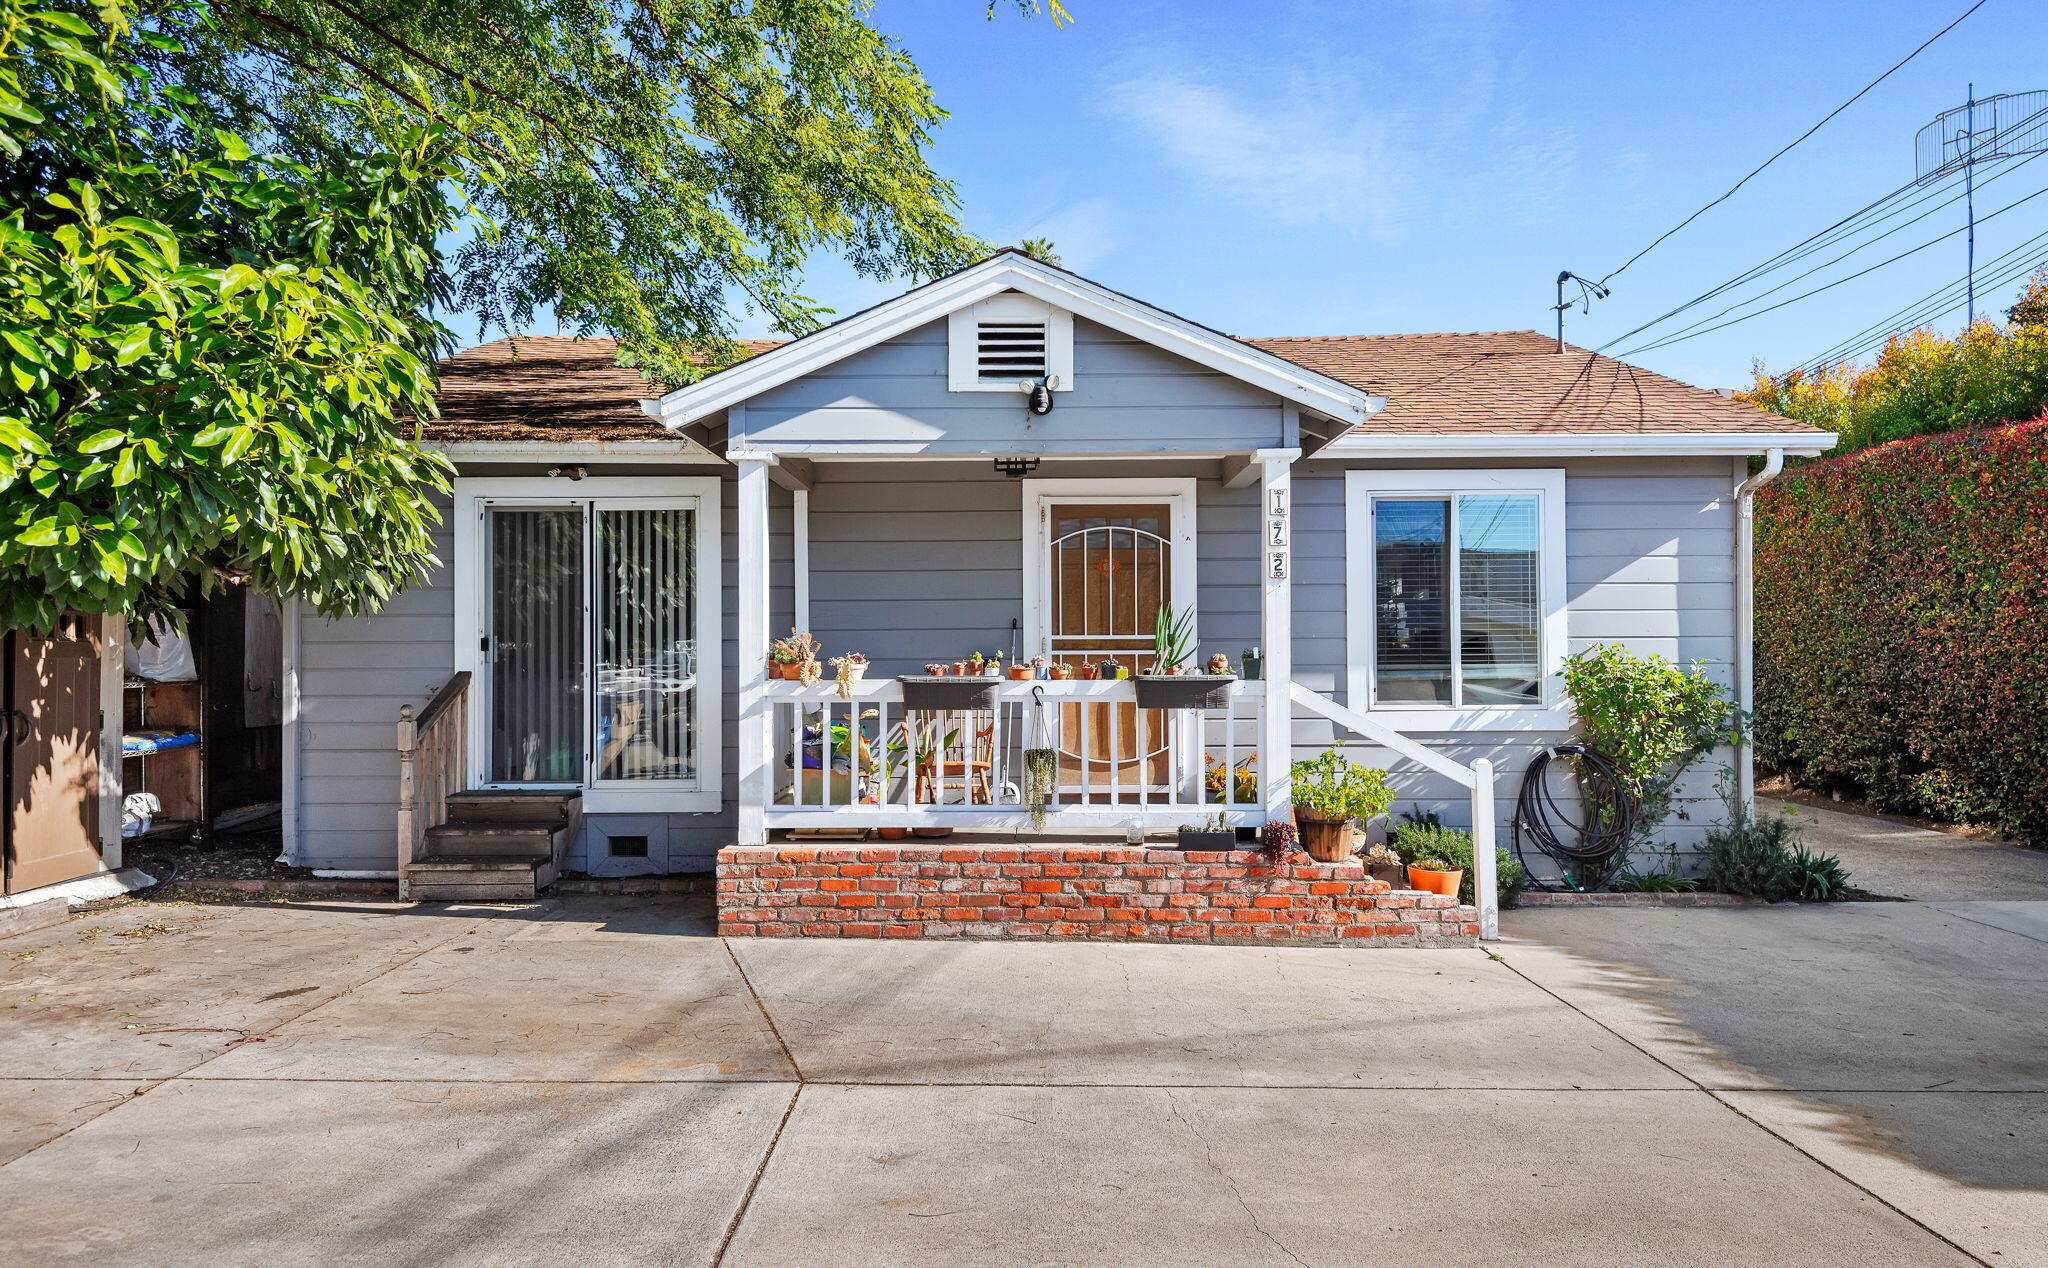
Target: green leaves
column 1649, row 717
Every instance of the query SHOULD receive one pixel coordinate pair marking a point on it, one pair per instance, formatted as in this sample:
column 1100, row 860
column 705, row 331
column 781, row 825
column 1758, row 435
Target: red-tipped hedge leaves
column 1902, row 625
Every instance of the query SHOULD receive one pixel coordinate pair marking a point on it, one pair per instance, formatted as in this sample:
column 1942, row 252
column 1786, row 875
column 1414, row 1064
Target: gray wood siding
column 1127, row 396
column 913, row 561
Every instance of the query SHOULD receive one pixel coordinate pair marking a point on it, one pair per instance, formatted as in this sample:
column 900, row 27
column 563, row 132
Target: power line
column 1831, row 285
column 1862, row 218
column 1932, row 306
column 1795, row 142
column 1864, row 245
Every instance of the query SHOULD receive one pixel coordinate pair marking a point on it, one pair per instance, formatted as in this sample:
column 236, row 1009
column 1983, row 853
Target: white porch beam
column 755, row 713
column 1276, row 629
column 1240, row 471
column 800, row 555
column 792, row 473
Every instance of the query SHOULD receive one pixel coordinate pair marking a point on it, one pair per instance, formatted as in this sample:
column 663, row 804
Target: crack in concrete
column 1209, row 1155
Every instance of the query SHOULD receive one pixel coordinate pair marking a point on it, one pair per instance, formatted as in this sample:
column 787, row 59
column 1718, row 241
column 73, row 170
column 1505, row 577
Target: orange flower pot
column 1435, row 882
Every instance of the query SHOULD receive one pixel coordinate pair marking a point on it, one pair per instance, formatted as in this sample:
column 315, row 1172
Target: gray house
column 1412, row 531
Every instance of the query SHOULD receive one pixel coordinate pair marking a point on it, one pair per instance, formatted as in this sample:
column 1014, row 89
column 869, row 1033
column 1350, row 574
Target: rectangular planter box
column 1184, row 691
column 946, row 695
column 1220, row 839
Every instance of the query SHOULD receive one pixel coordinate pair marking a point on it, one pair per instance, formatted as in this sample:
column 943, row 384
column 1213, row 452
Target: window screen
column 1458, row 600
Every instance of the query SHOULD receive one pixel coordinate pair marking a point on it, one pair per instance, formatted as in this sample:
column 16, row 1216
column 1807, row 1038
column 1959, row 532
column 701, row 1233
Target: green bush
column 1332, row 786
column 1901, row 632
column 1417, row 841
column 1649, row 717
column 1762, row 858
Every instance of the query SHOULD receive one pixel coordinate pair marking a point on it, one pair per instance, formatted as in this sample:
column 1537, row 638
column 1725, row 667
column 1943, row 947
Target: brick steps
column 1233, row 897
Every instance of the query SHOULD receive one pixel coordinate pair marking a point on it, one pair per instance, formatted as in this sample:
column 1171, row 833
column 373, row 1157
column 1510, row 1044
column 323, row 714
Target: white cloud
column 1084, row 233
column 1299, row 160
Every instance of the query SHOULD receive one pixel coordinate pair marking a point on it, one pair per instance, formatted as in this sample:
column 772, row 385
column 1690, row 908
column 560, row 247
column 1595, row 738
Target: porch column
column 1276, row 629
column 752, row 670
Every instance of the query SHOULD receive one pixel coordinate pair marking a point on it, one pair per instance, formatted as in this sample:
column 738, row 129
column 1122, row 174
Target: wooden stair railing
column 433, row 764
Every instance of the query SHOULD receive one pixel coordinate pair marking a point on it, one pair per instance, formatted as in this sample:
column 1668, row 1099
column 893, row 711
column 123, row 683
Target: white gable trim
column 1011, row 271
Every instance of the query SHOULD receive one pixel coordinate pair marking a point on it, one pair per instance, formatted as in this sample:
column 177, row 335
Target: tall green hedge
column 1902, row 626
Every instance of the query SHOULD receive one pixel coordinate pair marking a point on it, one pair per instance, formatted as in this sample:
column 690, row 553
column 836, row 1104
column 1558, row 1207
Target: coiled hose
column 1585, row 852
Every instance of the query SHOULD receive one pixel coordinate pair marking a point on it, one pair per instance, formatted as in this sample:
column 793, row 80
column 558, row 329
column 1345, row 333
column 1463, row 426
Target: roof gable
column 1011, row 270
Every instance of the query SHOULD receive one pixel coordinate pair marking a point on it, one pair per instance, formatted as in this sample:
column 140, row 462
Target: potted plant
column 1026, row 671
column 1167, row 684
column 1331, row 793
column 1110, row 669
column 960, row 668
column 1087, row 673
column 1041, row 781
column 794, row 657
column 1213, row 835
column 1060, row 671
column 934, row 669
column 1382, row 864
column 1434, row 876
column 1253, row 662
column 848, row 670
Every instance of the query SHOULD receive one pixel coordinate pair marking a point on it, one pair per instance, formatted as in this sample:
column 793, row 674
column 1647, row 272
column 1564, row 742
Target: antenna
column 2013, row 123
column 1588, row 292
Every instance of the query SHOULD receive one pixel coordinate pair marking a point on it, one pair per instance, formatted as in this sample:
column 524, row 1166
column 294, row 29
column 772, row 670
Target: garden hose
column 1586, row 852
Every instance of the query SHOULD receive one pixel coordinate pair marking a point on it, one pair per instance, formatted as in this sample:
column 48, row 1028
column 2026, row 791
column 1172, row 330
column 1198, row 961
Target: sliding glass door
column 591, row 648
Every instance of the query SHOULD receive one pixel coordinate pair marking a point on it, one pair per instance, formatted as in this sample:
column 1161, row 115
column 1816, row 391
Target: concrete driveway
column 599, row 1081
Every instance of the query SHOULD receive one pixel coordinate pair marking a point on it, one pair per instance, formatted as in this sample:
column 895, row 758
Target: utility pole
column 1970, row 208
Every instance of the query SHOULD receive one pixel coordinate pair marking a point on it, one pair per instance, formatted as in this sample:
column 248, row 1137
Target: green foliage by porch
column 1924, row 383
column 1650, row 718
column 219, row 261
column 1902, row 626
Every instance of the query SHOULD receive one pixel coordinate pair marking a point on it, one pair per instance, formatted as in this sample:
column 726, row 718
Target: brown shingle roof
column 1513, row 382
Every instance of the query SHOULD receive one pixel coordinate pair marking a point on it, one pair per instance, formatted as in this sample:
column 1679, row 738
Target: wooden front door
column 1109, row 568
column 52, row 771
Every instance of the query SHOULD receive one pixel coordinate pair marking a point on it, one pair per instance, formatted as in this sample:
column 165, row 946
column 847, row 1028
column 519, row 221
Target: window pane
column 1412, row 661
column 1499, row 603
column 537, row 645
column 646, row 650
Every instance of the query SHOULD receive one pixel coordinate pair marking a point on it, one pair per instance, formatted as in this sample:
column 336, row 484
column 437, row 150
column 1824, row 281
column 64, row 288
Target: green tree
column 218, row 260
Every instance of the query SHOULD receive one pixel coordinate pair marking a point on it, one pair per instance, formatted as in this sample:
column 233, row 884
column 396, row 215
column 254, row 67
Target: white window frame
column 1553, row 711
column 703, row 791
column 962, row 368
column 1041, row 495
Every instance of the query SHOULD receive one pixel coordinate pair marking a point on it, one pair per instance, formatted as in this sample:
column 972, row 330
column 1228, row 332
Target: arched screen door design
column 1105, row 568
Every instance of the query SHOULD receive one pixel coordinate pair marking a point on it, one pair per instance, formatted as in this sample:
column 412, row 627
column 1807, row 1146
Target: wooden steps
column 495, row 847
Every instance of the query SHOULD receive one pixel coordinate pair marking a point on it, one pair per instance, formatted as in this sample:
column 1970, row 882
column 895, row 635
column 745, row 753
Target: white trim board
column 678, row 449
column 1360, row 487
column 701, row 793
column 1575, row 445
column 1012, row 271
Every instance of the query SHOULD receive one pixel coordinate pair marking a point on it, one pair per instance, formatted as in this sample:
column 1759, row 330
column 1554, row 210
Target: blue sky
column 1284, row 168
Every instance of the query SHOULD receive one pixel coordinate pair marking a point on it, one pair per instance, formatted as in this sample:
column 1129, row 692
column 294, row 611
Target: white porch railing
column 433, row 757
column 1117, row 765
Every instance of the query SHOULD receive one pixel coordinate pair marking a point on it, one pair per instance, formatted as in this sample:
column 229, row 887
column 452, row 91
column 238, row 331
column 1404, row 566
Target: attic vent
column 1006, row 351
column 1008, row 339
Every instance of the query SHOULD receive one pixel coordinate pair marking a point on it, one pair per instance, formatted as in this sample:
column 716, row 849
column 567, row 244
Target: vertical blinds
column 593, row 620
column 537, row 645
column 647, row 661
column 1457, row 600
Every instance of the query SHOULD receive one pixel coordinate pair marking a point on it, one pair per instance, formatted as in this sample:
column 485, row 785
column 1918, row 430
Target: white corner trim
column 473, row 495
column 1576, row 445
column 1360, row 487
column 1005, row 272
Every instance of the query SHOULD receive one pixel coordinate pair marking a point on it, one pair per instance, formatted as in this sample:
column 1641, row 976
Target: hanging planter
column 1041, row 764
column 948, row 694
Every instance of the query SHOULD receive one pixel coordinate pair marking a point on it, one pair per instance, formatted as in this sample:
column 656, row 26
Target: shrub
column 1762, row 858
column 1649, row 717
column 1419, row 840
column 1902, row 628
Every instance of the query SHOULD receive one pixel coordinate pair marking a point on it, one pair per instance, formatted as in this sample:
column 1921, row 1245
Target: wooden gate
column 52, row 767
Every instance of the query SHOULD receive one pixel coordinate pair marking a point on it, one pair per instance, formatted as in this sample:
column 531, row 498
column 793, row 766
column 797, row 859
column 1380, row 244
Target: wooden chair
column 965, row 766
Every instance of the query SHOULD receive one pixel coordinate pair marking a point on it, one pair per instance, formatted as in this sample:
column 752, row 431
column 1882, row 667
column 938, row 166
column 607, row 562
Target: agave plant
column 1173, row 639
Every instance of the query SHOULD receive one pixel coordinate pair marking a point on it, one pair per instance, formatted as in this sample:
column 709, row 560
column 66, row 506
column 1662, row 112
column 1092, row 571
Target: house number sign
column 1276, row 565
column 1276, row 533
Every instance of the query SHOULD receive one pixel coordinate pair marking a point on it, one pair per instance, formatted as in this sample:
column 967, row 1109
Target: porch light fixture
column 574, row 473
column 1016, row 468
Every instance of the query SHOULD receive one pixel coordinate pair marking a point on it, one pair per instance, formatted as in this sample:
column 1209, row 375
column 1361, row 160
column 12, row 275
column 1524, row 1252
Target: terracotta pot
column 1089, row 673
column 941, row 672
column 1435, row 882
column 782, row 669
column 892, row 834
column 1326, row 840
column 1020, row 673
column 959, row 669
column 931, row 833
column 1060, row 675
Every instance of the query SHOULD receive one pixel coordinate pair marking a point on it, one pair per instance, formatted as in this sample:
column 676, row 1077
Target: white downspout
column 1745, row 619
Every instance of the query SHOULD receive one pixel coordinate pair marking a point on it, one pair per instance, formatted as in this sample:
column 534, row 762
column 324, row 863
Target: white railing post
column 408, row 794
column 1485, row 886
column 1276, row 629
column 755, row 713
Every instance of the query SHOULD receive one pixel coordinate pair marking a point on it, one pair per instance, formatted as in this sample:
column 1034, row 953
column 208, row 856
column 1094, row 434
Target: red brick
column 859, row 900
